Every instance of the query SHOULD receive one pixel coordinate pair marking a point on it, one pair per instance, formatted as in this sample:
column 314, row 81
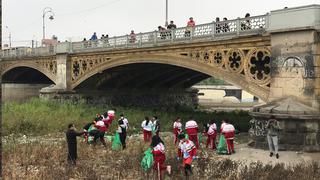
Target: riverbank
column 45, row 158
column 40, row 117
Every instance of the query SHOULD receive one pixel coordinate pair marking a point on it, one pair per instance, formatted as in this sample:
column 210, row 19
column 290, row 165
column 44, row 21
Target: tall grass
column 47, row 160
column 42, row 117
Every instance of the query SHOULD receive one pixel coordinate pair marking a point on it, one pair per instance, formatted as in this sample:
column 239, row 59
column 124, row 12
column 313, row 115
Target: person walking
column 158, row 151
column 212, row 134
column 71, row 136
column 187, row 151
column 100, row 125
column 273, row 129
column 177, row 129
column 192, row 131
column 125, row 120
column 228, row 131
column 147, row 129
column 156, row 123
column 122, row 130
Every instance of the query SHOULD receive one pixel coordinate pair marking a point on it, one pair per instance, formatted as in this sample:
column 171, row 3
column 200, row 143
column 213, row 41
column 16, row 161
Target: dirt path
column 247, row 155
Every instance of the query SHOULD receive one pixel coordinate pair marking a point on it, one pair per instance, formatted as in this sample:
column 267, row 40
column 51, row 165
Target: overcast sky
column 77, row 19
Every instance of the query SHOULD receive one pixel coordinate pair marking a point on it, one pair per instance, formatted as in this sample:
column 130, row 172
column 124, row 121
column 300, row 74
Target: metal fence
column 204, row 32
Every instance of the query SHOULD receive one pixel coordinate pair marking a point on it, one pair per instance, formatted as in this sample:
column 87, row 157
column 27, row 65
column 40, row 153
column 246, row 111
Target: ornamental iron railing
column 203, row 32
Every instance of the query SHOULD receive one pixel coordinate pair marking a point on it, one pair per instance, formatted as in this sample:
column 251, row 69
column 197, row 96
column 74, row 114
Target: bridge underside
column 25, row 75
column 140, row 84
column 22, row 83
column 151, row 76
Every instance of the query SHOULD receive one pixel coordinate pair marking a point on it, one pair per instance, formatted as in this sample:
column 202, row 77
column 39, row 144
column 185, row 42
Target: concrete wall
column 218, row 96
column 20, row 91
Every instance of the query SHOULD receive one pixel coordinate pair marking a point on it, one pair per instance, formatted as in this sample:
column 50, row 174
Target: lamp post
column 51, row 17
column 166, row 23
column 9, row 36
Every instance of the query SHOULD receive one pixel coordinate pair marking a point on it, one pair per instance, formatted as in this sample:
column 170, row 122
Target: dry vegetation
column 47, row 160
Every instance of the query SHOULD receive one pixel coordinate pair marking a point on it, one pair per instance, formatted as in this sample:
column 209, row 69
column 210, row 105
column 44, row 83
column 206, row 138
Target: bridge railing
column 28, row 52
column 203, row 32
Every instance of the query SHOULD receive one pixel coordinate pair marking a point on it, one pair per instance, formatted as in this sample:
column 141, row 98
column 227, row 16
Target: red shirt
column 191, row 23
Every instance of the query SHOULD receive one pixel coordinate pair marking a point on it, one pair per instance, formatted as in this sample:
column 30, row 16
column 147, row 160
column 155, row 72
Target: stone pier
column 162, row 99
column 295, row 86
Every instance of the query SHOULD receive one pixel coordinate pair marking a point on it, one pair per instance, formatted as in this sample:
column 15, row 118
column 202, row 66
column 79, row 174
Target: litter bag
column 147, row 160
column 116, row 143
column 222, row 146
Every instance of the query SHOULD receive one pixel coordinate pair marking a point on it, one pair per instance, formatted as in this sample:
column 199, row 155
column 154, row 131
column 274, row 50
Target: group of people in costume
column 186, row 141
column 98, row 127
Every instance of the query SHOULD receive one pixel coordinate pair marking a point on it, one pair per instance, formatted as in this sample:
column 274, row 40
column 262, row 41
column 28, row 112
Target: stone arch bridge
column 270, row 56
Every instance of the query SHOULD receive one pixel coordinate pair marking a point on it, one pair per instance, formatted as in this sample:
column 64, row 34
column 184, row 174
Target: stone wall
column 295, row 134
column 165, row 99
column 295, row 66
column 11, row 91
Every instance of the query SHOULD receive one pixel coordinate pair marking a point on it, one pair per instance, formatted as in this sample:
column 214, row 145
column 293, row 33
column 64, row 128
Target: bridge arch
column 180, row 61
column 32, row 65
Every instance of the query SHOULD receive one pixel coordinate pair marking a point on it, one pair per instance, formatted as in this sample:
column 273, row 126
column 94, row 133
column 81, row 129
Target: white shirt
column 212, row 129
column 191, row 124
column 126, row 122
column 177, row 124
column 228, row 128
column 147, row 127
column 159, row 147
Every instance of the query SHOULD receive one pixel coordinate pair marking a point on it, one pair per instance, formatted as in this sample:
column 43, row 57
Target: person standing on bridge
column 71, row 136
column 94, row 37
column 273, row 128
column 190, row 27
column 246, row 25
column 225, row 25
column 218, row 25
column 132, row 37
column 192, row 131
column 171, row 27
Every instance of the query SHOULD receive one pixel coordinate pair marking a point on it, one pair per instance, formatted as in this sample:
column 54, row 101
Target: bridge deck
column 214, row 31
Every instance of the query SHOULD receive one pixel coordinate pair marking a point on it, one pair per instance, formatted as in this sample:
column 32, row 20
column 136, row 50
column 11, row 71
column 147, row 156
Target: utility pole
column 0, row 24
column 166, row 23
column 9, row 36
column 0, row 90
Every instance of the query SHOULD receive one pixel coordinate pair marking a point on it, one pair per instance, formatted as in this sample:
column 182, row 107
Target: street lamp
column 51, row 17
column 9, row 36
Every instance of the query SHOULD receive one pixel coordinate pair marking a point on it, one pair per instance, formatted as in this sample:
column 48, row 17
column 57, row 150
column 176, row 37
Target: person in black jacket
column 156, row 123
column 122, row 130
column 71, row 135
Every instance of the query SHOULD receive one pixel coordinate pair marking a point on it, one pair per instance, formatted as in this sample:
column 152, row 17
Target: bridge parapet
column 204, row 32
